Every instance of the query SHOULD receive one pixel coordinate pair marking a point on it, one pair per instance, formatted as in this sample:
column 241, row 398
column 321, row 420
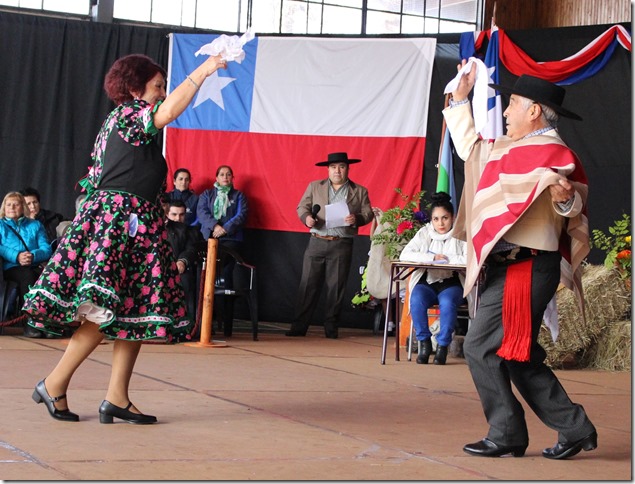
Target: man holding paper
column 333, row 209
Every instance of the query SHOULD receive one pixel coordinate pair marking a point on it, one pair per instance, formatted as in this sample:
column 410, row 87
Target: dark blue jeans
column 422, row 298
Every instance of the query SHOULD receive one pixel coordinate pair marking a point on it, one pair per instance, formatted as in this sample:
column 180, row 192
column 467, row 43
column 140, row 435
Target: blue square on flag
column 224, row 99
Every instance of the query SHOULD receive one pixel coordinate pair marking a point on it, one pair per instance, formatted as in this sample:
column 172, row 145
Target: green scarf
column 221, row 202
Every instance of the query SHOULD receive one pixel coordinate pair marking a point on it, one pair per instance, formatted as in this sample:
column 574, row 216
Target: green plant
column 401, row 223
column 617, row 245
column 362, row 298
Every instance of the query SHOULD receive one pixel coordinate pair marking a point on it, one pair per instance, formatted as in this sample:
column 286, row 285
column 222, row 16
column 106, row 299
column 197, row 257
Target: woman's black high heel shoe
column 107, row 411
column 41, row 395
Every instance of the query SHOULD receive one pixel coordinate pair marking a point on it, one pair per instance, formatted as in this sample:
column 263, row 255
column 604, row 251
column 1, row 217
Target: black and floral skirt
column 115, row 255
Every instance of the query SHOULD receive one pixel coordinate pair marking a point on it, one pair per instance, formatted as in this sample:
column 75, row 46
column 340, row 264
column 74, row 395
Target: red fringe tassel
column 516, row 343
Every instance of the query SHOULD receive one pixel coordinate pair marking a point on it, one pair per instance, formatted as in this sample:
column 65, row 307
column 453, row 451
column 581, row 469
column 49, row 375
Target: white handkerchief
column 231, row 47
column 479, row 101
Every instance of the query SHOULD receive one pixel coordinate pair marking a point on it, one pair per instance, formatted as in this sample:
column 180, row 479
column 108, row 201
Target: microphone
column 314, row 211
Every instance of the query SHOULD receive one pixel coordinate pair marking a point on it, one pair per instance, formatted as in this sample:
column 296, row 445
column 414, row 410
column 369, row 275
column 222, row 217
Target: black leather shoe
column 295, row 332
column 41, row 395
column 331, row 334
column 424, row 352
column 562, row 450
column 441, row 355
column 487, row 448
column 107, row 412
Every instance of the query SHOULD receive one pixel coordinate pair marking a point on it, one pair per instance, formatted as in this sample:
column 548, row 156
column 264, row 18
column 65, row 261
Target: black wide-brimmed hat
column 338, row 158
column 541, row 91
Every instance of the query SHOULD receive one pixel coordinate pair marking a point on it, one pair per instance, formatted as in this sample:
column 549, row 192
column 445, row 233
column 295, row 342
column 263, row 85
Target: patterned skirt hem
column 51, row 314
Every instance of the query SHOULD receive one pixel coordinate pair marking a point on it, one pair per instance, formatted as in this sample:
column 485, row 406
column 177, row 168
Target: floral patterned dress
column 116, row 253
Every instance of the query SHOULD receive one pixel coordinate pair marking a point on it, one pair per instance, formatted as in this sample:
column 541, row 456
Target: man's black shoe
column 562, row 450
column 487, row 448
column 295, row 332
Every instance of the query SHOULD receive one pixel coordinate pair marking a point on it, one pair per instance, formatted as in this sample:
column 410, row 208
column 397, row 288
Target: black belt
column 516, row 254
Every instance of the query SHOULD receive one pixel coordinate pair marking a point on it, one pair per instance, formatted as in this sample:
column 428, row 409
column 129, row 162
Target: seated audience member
column 23, row 246
column 433, row 243
column 182, row 192
column 49, row 219
column 184, row 241
column 222, row 213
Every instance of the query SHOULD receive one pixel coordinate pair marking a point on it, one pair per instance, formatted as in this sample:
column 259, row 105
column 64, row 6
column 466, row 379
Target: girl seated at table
column 434, row 244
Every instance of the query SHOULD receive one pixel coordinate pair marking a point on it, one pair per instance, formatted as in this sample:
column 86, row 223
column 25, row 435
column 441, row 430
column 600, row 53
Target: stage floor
column 287, row 409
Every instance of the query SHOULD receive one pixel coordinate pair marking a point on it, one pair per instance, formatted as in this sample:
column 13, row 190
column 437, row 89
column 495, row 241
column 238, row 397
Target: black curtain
column 53, row 103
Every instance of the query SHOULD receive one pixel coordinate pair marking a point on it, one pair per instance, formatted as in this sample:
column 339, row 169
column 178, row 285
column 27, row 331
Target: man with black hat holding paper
column 523, row 215
column 333, row 209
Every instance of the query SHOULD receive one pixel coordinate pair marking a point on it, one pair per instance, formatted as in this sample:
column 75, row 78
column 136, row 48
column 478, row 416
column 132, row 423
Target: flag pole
column 446, row 103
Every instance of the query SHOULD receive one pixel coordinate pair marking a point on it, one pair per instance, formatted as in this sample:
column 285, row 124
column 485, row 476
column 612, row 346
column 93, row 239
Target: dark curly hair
column 130, row 73
column 442, row 199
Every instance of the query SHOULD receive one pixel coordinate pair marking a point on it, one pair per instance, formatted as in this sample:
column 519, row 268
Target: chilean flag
column 494, row 126
column 291, row 102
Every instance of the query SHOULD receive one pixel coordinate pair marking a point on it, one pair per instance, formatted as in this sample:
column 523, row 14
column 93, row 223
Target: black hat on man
column 540, row 91
column 338, row 158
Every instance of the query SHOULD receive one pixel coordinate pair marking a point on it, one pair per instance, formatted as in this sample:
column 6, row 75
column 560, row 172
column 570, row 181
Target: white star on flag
column 491, row 92
column 211, row 89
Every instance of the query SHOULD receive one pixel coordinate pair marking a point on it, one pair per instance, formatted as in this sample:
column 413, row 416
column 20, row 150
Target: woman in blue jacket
column 222, row 210
column 222, row 213
column 23, row 246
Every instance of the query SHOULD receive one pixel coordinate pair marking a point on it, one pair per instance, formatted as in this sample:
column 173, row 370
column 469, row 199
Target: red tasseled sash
column 516, row 343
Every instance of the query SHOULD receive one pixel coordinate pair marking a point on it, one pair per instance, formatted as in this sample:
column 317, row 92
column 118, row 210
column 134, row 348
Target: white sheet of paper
column 335, row 214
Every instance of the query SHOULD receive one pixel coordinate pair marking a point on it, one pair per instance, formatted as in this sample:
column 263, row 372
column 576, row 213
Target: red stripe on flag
column 274, row 170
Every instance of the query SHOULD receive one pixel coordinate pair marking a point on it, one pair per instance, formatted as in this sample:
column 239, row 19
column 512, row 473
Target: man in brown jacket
column 327, row 258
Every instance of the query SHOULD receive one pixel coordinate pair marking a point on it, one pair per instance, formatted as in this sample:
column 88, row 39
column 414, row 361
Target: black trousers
column 23, row 276
column 326, row 264
column 535, row 381
column 225, row 304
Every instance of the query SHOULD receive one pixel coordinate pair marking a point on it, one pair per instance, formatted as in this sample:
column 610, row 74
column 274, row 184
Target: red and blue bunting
column 576, row 68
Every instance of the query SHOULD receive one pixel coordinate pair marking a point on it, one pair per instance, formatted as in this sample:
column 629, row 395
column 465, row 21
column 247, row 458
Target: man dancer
column 524, row 216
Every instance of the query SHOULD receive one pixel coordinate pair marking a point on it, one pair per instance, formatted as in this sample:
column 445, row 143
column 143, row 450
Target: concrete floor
column 287, row 409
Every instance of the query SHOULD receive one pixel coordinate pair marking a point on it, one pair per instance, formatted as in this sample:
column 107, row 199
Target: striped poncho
column 503, row 180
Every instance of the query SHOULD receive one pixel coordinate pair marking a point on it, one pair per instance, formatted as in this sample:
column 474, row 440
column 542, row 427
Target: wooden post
column 208, row 299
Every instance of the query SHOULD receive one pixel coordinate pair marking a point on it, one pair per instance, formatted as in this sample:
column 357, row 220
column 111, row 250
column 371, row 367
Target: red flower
column 403, row 226
column 625, row 254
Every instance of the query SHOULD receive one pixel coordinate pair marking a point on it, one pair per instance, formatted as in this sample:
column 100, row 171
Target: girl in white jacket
column 434, row 243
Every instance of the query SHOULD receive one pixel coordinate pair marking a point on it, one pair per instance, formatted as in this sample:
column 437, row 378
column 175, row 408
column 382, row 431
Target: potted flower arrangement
column 401, row 223
column 617, row 246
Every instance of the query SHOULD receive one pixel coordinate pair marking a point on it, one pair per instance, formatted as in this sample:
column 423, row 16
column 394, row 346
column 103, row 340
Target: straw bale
column 612, row 351
column 607, row 301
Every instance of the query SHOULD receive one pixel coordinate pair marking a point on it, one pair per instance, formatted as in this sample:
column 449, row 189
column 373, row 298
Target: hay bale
column 607, row 301
column 612, row 350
